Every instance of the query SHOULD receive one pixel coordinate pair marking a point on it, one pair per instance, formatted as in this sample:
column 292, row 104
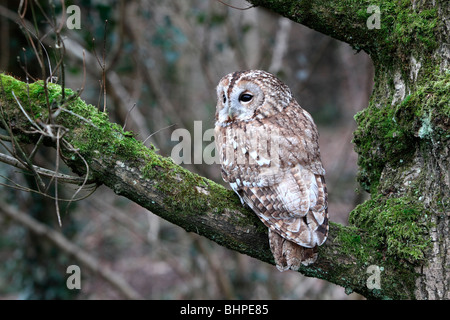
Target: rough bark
column 403, row 135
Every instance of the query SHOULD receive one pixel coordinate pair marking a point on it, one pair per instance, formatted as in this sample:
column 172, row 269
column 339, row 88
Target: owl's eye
column 245, row 97
column 224, row 99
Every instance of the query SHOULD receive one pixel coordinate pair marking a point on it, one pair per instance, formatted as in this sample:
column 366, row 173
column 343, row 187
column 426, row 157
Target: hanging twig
column 237, row 8
column 45, row 172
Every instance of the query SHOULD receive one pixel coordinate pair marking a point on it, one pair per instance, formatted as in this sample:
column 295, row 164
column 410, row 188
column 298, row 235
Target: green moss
column 197, row 192
column 403, row 31
column 389, row 137
column 350, row 238
column 92, row 131
column 412, row 30
column 398, row 227
column 383, row 136
column 27, row 95
column 391, row 134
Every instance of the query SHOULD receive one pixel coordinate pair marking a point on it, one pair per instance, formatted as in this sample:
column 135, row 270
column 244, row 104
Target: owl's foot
column 289, row 255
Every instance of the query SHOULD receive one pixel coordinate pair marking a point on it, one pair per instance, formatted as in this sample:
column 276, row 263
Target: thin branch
column 36, row 147
column 68, row 146
column 24, row 112
column 167, row 127
column 55, row 177
column 16, row 146
column 44, row 172
column 102, row 65
column 19, row 187
column 126, row 117
column 89, row 122
column 237, row 8
column 5, row 138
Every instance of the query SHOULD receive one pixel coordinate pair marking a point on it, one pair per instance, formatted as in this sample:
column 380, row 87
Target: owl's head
column 249, row 95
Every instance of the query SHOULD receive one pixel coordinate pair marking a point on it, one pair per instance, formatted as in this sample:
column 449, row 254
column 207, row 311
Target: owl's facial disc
column 240, row 105
column 237, row 100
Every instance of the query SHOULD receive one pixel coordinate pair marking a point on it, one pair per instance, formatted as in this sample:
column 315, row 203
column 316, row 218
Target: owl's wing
column 296, row 137
column 274, row 166
column 296, row 208
column 290, row 196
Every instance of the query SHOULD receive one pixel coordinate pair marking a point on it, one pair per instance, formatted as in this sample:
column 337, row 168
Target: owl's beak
column 231, row 113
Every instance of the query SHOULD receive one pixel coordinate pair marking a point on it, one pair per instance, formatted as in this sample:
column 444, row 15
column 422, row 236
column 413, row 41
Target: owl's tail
column 288, row 254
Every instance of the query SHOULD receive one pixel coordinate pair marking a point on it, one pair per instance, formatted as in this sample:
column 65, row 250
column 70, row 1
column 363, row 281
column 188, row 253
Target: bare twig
column 5, row 138
column 157, row 132
column 44, row 172
column 19, row 187
column 68, row 146
column 24, row 112
column 58, row 151
column 237, row 8
column 17, row 148
column 102, row 65
column 89, row 122
column 126, row 117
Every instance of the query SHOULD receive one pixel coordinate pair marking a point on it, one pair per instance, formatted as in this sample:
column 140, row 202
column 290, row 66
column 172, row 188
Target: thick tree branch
column 383, row 29
column 331, row 17
column 124, row 164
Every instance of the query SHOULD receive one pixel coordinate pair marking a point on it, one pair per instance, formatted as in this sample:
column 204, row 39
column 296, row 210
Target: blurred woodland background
column 160, row 62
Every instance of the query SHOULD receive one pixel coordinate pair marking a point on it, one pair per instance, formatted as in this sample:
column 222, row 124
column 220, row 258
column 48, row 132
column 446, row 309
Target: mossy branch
column 121, row 162
column 381, row 28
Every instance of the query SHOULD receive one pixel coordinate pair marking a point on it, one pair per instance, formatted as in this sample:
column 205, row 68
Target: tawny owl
column 269, row 151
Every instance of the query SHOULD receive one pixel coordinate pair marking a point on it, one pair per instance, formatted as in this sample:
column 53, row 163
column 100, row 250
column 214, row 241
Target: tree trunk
column 403, row 135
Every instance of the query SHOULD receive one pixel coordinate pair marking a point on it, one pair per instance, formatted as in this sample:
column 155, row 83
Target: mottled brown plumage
column 269, row 151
